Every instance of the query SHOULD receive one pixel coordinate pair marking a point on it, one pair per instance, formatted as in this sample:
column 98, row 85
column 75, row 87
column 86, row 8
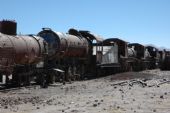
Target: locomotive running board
column 109, row 65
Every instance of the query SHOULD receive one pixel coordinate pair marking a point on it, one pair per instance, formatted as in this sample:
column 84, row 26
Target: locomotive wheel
column 7, row 81
column 82, row 72
column 130, row 68
column 69, row 74
column 1, row 77
column 20, row 80
column 51, row 77
column 42, row 80
column 27, row 80
column 16, row 80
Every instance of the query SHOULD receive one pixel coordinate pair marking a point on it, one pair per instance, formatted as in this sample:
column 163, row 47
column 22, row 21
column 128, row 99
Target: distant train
column 54, row 56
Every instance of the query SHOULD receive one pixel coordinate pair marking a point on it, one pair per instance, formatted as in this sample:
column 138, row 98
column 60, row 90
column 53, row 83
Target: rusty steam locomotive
column 54, row 56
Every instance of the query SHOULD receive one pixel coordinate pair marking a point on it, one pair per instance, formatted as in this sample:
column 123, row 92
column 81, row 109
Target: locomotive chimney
column 8, row 27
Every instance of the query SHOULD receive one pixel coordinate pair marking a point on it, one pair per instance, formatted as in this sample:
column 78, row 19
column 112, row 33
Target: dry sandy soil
column 132, row 92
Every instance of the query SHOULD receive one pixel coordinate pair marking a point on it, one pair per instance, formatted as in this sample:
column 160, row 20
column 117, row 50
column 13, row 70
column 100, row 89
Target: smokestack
column 8, row 27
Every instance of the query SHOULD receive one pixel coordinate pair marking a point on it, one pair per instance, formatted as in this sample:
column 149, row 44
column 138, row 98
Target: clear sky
column 141, row 21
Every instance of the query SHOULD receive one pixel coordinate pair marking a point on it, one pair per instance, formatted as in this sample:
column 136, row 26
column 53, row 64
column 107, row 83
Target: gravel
column 132, row 92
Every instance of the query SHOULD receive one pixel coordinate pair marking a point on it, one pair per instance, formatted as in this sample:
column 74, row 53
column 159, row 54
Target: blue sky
column 141, row 21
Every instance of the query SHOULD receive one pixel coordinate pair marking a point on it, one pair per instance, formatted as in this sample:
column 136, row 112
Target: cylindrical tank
column 8, row 27
column 64, row 45
column 21, row 50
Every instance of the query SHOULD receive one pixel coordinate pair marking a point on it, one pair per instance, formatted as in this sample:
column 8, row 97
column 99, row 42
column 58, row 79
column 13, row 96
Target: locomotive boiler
column 17, row 52
column 64, row 45
column 66, row 52
column 21, row 50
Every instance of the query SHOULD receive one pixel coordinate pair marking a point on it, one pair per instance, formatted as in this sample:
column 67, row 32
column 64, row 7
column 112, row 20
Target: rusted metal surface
column 8, row 27
column 6, row 54
column 20, row 50
column 75, row 46
column 65, row 45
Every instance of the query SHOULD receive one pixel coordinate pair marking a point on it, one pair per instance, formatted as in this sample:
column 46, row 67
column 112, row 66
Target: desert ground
column 131, row 92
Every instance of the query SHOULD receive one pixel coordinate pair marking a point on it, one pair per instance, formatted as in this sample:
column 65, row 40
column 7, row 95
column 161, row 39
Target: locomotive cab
column 106, row 52
column 153, row 58
column 138, row 49
column 138, row 56
column 106, row 57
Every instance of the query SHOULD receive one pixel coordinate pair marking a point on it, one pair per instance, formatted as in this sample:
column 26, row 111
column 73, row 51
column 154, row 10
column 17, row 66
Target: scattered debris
column 130, row 83
column 163, row 83
column 162, row 97
column 94, row 105
column 93, row 96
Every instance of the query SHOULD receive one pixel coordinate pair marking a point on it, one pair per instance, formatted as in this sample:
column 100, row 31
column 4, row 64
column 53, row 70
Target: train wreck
column 53, row 56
